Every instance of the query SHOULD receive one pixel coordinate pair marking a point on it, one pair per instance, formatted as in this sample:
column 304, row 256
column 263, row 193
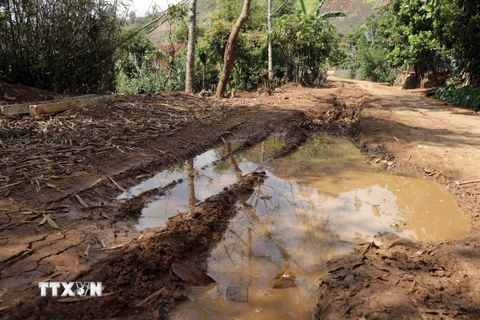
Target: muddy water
column 202, row 177
column 314, row 206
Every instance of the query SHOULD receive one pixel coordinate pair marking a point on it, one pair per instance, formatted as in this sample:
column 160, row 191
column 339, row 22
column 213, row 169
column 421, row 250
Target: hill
column 357, row 12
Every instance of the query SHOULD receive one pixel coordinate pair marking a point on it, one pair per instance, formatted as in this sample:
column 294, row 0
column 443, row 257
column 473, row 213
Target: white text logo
column 71, row 289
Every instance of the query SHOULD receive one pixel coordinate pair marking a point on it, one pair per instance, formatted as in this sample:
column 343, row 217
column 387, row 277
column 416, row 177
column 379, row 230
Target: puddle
column 313, row 206
column 201, row 179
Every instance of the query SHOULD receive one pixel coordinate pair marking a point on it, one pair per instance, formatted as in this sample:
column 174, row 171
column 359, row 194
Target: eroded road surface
column 117, row 194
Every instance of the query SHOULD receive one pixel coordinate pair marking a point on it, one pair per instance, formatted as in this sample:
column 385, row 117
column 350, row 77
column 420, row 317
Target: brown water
column 315, row 204
column 203, row 176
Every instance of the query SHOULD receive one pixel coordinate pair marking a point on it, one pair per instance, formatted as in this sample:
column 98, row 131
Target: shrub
column 467, row 97
column 59, row 45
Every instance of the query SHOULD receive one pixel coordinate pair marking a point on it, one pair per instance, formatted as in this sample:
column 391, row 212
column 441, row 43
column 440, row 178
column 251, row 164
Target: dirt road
column 423, row 281
column 72, row 166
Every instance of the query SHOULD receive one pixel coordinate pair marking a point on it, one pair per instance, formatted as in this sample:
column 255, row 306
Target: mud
column 316, row 204
column 98, row 153
column 10, row 94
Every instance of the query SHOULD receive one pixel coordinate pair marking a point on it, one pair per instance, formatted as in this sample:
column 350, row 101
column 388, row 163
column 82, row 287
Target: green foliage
column 420, row 34
column 375, row 64
column 367, row 57
column 338, row 57
column 462, row 34
column 133, row 53
column 251, row 57
column 407, row 31
column 227, row 10
column 305, row 43
column 149, row 82
column 142, row 67
column 216, row 38
column 150, row 77
column 59, row 45
column 251, row 60
column 302, row 6
column 467, row 96
column 309, row 6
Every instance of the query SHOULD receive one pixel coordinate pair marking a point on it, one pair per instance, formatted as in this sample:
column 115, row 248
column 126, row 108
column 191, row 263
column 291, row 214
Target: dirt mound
column 406, row 80
column 404, row 281
column 15, row 93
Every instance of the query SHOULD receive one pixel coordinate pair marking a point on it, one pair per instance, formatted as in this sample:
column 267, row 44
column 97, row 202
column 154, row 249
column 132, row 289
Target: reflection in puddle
column 313, row 206
column 201, row 179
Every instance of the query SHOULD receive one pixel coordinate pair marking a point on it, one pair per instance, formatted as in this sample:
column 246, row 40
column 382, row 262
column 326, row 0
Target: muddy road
column 61, row 217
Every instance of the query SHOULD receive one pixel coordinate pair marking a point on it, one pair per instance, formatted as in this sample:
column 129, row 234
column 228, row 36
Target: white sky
column 141, row 6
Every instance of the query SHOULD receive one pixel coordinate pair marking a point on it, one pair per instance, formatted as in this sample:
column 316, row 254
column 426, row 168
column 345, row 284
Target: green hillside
column 357, row 12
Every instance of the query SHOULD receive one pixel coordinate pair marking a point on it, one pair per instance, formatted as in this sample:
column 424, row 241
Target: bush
column 147, row 78
column 467, row 97
column 59, row 45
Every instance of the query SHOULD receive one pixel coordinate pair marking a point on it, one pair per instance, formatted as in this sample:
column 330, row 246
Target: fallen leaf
column 53, row 186
column 152, row 296
column 190, row 275
column 45, row 217
column 52, row 223
column 87, row 251
column 82, row 202
column 284, row 279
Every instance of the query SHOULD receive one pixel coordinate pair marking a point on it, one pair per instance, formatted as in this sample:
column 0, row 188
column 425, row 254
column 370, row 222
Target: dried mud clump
column 404, row 282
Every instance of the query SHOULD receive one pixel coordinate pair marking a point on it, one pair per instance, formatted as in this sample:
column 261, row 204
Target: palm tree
column 324, row 16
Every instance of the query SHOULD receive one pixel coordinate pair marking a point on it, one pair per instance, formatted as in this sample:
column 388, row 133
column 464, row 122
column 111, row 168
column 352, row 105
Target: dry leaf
column 52, row 223
column 284, row 279
column 45, row 217
column 152, row 296
column 87, row 251
column 83, row 203
column 51, row 185
column 190, row 275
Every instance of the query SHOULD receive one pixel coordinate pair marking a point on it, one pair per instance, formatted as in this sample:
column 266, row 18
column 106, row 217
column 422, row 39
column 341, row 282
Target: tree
column 408, row 32
column 462, row 27
column 229, row 57
column 322, row 16
column 59, row 45
column 305, row 42
column 192, row 38
column 270, row 14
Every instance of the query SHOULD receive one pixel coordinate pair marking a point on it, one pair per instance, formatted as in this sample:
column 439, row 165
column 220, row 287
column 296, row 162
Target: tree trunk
column 270, row 58
column 229, row 57
column 192, row 38
column 192, row 199
column 203, row 77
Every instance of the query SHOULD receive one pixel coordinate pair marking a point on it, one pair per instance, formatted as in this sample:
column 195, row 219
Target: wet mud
column 317, row 204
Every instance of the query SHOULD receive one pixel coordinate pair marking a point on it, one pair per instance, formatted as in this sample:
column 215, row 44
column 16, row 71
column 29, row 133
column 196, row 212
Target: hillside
column 160, row 34
column 357, row 12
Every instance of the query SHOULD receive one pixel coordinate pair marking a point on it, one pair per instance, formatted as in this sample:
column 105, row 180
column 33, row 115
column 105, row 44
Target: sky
column 141, row 6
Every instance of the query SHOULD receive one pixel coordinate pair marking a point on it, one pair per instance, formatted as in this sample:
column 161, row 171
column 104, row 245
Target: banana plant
column 322, row 16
